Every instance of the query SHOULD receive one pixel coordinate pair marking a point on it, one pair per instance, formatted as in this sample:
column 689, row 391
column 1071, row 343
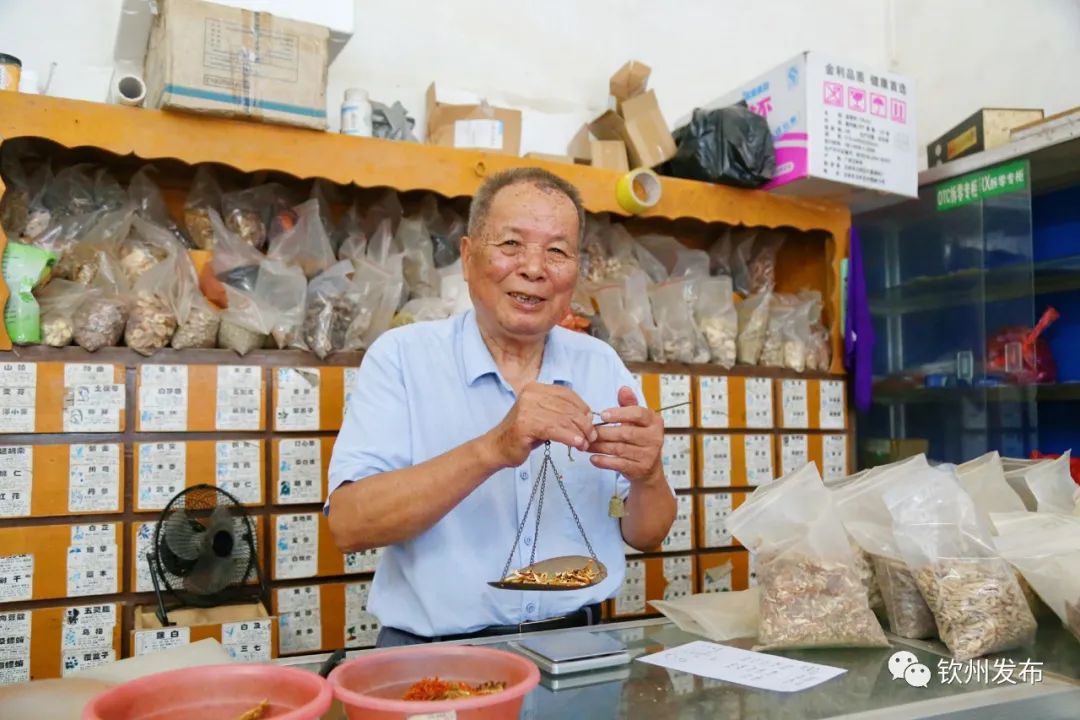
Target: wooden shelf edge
column 370, row 162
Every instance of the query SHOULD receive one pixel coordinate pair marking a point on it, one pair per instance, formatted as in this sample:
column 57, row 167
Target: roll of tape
column 128, row 90
column 638, row 190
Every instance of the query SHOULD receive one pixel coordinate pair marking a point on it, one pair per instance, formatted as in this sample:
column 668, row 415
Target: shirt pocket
column 589, row 489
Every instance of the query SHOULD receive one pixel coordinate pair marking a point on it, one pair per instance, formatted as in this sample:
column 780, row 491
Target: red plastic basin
column 371, row 686
column 215, row 692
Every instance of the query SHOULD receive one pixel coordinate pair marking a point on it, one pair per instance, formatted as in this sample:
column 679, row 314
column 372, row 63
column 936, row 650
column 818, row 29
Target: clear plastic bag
column 152, row 316
column 867, row 519
column 714, row 311
column 1047, row 486
column 421, row 277
column 638, row 304
column 623, row 331
column 306, row 245
column 248, row 213
column 197, row 321
column 353, row 244
column 71, row 192
column 80, row 260
column 678, row 260
column 977, row 602
column 446, row 228
column 594, row 254
column 59, row 300
column 811, row 595
column 1045, row 549
column 230, row 252
column 720, row 255
column 985, row 482
column 245, row 323
column 149, row 204
column 754, row 260
column 753, row 315
column 819, row 345
column 327, row 195
column 672, row 304
column 100, row 320
column 788, row 334
column 283, row 290
column 144, row 247
column 422, row 310
column 379, row 288
column 386, row 208
column 108, row 193
column 330, row 309
column 23, row 213
column 204, row 196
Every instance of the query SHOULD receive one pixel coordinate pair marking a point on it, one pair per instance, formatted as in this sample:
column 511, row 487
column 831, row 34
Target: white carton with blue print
column 839, row 128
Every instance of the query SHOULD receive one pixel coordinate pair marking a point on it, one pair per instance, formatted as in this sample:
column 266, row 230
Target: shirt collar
column 478, row 362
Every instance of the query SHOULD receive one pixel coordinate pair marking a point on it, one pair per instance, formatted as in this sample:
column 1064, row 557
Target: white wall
column 556, row 55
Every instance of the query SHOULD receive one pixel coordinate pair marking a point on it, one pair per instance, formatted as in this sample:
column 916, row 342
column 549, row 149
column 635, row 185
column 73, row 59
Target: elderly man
column 447, row 427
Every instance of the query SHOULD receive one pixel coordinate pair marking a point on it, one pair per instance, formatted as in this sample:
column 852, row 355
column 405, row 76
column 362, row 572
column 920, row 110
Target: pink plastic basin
column 215, row 692
column 371, row 686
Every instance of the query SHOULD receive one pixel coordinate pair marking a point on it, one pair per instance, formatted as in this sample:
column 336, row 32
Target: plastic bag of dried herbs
column 1045, row 548
column 811, row 594
column 976, row 599
column 868, row 521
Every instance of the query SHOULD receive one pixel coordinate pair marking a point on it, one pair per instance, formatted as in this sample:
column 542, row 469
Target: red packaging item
column 1074, row 463
column 1021, row 355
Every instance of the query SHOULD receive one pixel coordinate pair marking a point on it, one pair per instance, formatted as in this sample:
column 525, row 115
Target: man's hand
column 633, row 446
column 542, row 413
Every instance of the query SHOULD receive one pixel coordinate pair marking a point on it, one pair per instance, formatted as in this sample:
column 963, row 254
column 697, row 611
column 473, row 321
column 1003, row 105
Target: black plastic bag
column 729, row 146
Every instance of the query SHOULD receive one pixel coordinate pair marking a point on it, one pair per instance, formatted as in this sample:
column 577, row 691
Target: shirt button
column 524, row 475
column 528, row 541
column 531, row 607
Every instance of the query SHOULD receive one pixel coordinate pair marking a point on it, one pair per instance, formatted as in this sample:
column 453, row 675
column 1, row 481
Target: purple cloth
column 859, row 330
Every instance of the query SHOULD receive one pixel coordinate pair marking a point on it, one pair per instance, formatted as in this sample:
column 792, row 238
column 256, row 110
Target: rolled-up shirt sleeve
column 374, row 435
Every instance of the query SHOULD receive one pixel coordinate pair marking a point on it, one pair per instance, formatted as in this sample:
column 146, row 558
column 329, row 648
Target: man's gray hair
column 537, row 177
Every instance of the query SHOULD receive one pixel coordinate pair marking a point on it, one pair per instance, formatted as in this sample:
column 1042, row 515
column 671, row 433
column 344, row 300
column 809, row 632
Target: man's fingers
column 631, row 434
column 611, row 462
column 634, row 414
column 627, row 397
column 618, row 449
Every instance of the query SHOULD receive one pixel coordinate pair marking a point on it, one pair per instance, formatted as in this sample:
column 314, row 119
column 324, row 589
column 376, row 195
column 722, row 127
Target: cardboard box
column 629, row 81
column 477, row 126
column 547, row 157
column 247, row 631
column 221, row 60
column 986, row 129
column 840, row 129
column 609, row 154
column 642, row 127
column 579, row 145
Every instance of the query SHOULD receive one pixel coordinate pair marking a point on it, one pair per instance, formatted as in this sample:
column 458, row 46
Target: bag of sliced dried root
column 868, row 522
column 1045, row 549
column 811, row 594
column 975, row 598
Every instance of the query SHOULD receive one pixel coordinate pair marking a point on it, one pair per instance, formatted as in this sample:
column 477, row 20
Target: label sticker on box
column 161, row 474
column 350, row 384
column 15, row 670
column 361, row 627
column 678, row 572
column 163, row 398
column 247, row 640
column 631, row 597
column 75, row 661
column 675, row 389
column 15, row 634
column 237, row 469
column 16, row 577
column 794, row 453
column 239, row 397
column 297, row 399
column 18, row 397
column 832, row 405
column 93, row 400
column 296, row 554
column 834, row 457
column 300, row 471
column 793, row 403
column 675, row 458
column 759, row 459
column 715, row 402
column 717, row 510
column 479, row 133
column 299, row 619
column 16, row 480
column 92, row 569
column 716, row 463
column 152, row 641
column 680, row 537
column 94, row 477
column 759, row 403
column 144, row 544
column 362, row 561
column 88, row 627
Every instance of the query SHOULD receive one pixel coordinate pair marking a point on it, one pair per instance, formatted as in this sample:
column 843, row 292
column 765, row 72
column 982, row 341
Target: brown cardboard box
column 249, row 628
column 642, row 127
column 629, row 81
column 220, row 60
column 986, row 129
column 578, row 147
column 609, row 154
column 483, row 127
column 550, row 158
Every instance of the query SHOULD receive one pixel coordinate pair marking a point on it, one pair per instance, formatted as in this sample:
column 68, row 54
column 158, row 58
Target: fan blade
column 183, row 535
column 210, row 575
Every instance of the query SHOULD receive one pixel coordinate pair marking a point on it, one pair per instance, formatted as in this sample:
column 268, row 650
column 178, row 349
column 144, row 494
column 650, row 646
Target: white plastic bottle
column 356, row 113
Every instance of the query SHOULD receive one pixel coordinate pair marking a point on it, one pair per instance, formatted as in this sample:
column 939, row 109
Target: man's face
column 523, row 267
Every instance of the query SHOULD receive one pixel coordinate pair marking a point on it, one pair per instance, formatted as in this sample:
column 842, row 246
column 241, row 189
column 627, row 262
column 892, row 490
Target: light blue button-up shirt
column 427, row 388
